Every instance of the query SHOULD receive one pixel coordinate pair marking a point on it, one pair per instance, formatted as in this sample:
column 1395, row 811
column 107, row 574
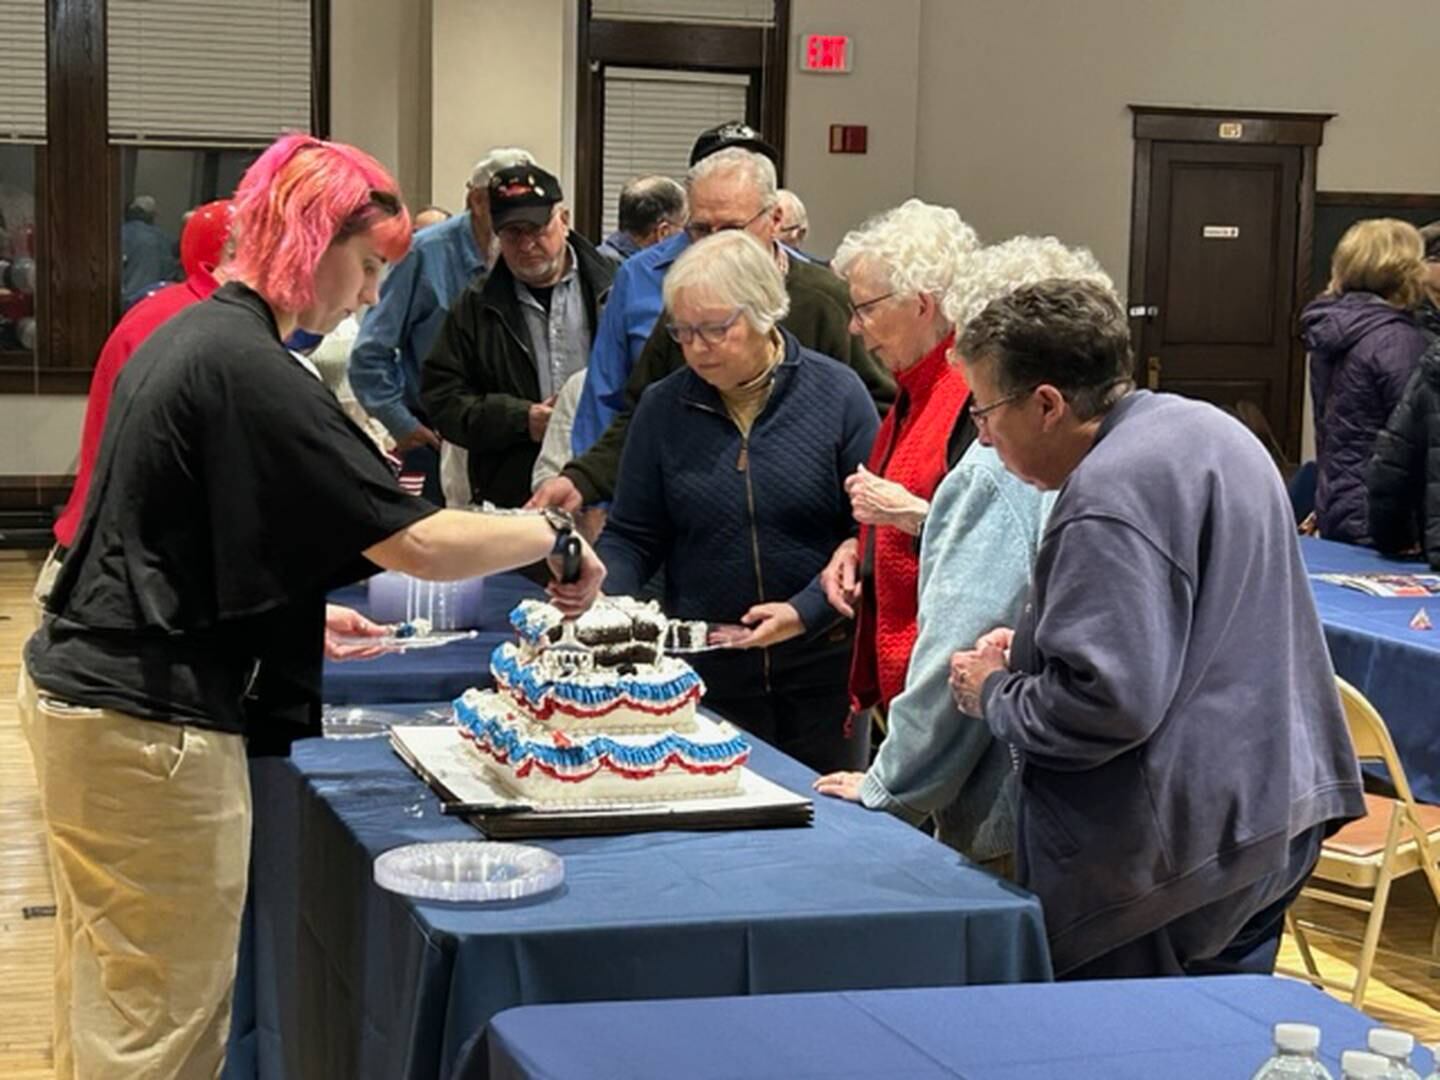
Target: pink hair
column 302, row 195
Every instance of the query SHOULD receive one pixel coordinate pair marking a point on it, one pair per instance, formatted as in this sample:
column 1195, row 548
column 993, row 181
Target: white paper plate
column 469, row 871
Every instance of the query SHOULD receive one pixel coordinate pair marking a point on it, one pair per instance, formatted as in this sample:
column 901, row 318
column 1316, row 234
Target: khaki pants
column 49, row 571
column 149, row 839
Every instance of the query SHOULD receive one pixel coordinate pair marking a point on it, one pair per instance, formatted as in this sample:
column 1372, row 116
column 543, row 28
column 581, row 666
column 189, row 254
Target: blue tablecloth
column 1137, row 1029
column 353, row 981
column 427, row 674
column 1375, row 650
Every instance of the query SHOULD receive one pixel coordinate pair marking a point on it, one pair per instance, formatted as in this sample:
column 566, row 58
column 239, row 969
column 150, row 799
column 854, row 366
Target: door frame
column 742, row 50
column 1305, row 130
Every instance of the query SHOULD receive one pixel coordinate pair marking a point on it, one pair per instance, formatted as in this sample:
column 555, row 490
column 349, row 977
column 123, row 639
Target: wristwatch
column 567, row 542
column 562, row 521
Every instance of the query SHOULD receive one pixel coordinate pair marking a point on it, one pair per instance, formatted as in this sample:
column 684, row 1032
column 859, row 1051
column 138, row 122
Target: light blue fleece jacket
column 979, row 544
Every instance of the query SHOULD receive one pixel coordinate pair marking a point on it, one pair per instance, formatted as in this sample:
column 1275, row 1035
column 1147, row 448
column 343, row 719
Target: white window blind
column 652, row 118
column 22, row 70
column 726, row 12
column 207, row 72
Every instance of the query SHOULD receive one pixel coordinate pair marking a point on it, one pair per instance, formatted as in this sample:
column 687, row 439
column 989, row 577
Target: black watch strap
column 567, row 544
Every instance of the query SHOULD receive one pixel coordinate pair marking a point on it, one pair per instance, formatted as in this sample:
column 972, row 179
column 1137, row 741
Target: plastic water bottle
column 1295, row 1046
column 1396, row 1047
column 1361, row 1065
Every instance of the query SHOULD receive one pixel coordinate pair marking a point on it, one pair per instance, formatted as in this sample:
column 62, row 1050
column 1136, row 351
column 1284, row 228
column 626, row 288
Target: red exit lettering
column 826, row 52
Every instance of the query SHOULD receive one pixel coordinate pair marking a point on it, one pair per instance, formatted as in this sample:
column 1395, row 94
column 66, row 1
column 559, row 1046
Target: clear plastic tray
column 397, row 643
column 364, row 722
column 469, row 871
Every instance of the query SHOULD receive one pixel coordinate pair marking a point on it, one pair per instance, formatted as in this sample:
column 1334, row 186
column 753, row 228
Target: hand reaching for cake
column 344, row 622
column 575, row 597
column 770, row 624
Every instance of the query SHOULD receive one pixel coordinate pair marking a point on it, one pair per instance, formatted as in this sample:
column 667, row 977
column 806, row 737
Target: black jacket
column 1403, row 481
column 741, row 520
column 1362, row 352
column 479, row 381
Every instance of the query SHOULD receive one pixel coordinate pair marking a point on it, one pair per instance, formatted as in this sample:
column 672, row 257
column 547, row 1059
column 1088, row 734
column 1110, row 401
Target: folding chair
column 1396, row 837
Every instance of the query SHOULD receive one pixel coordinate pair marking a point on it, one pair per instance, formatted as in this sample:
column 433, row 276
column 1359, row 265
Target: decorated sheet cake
column 596, row 711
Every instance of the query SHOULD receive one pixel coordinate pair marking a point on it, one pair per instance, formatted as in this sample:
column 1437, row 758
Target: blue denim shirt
column 398, row 331
column 629, row 317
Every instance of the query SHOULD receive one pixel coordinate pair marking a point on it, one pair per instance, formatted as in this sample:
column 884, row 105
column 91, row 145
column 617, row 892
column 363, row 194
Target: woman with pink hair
column 188, row 622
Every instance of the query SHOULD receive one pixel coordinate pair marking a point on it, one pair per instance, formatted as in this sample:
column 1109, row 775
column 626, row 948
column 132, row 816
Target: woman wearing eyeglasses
column 898, row 267
column 732, row 480
column 982, row 531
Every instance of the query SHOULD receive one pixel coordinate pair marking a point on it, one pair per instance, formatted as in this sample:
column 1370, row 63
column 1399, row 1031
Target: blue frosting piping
column 517, row 749
column 524, row 679
column 532, row 631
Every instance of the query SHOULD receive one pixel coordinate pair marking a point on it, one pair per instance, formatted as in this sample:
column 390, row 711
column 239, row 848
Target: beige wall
column 500, row 79
column 1022, row 106
column 40, row 433
column 881, row 91
column 379, row 86
column 1013, row 112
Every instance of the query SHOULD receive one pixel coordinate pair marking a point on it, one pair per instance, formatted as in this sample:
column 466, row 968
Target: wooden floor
column 26, row 946
column 1405, row 992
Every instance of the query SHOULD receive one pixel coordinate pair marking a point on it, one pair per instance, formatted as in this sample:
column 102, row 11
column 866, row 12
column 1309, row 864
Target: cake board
column 444, row 759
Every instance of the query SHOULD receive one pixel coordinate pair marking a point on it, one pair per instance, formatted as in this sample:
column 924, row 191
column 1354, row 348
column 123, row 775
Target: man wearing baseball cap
column 397, row 333
column 731, row 187
column 515, row 335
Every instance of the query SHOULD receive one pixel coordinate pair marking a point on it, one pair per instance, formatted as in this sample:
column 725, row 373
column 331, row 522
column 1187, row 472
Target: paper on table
column 1384, row 583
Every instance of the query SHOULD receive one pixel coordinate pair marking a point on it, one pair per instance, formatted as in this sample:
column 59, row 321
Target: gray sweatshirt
column 980, row 540
column 1171, row 695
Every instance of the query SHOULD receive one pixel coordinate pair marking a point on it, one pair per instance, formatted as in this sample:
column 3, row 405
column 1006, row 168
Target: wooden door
column 754, row 51
column 1220, row 261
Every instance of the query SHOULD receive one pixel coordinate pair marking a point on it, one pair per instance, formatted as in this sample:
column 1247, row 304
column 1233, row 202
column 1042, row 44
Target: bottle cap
column 1359, row 1065
column 1297, row 1038
column 1391, row 1043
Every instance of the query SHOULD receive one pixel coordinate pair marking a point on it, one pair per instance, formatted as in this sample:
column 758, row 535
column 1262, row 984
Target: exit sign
column 828, row 53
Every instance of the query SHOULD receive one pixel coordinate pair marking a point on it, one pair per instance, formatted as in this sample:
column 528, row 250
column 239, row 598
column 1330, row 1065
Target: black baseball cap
column 728, row 134
column 522, row 193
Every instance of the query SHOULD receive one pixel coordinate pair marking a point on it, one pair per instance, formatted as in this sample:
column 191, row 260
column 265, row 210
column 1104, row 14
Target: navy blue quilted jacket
column 1362, row 353
column 732, row 532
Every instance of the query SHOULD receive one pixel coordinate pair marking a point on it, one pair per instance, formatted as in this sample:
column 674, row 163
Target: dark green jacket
column 819, row 318
column 479, row 381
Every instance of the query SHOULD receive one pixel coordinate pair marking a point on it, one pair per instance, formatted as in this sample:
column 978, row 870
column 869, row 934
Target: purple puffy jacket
column 1362, row 353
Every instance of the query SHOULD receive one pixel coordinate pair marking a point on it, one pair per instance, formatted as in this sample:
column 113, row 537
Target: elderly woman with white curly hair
column 898, row 267
column 732, row 480
column 982, row 532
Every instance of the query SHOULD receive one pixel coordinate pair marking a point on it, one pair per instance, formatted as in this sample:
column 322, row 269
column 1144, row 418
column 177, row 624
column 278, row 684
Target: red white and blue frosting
column 574, row 759
column 540, row 690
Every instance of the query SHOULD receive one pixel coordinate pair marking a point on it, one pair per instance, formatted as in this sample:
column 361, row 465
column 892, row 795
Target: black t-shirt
column 231, row 493
column 542, row 294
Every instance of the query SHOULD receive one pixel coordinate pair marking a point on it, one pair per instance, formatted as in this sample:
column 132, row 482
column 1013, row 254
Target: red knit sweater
column 910, row 450
column 129, row 334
